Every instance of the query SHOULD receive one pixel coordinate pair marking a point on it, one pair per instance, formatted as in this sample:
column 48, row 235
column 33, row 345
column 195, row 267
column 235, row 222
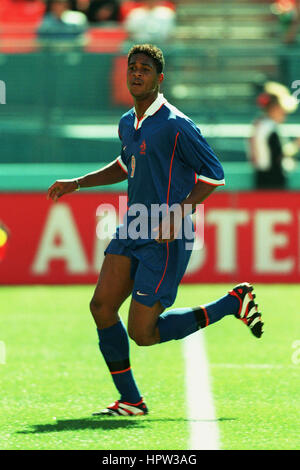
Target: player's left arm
column 198, row 194
column 193, row 150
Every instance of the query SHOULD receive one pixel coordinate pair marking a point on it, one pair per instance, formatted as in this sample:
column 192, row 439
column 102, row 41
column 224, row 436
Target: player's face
column 142, row 77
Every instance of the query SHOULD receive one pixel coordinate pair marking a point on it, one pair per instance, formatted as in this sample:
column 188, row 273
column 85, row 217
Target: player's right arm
column 110, row 174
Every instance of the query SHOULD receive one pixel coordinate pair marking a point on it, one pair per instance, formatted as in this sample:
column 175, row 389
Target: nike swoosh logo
column 140, row 293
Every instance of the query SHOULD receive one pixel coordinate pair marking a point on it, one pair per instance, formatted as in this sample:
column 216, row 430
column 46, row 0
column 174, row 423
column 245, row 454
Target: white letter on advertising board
column 227, row 221
column 266, row 240
column 60, row 225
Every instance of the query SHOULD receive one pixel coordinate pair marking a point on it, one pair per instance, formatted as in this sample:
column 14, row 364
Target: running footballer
column 166, row 161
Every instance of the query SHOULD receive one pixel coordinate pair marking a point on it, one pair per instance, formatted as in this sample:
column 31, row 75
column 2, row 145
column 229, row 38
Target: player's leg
column 179, row 323
column 160, row 270
column 142, row 323
column 154, row 289
column 113, row 287
column 148, row 326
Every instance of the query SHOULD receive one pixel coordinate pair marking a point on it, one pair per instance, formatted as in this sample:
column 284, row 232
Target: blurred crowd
column 143, row 20
column 103, row 11
column 288, row 13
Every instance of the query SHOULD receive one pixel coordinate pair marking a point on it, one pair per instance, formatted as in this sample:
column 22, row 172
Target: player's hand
column 169, row 228
column 61, row 187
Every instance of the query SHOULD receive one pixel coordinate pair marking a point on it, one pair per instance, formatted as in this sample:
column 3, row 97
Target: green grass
column 255, row 382
column 54, row 375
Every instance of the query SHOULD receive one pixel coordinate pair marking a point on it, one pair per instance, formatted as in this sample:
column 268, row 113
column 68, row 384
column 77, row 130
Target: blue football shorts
column 156, row 268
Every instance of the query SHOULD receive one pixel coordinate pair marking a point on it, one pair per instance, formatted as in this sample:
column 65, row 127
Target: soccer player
column 162, row 151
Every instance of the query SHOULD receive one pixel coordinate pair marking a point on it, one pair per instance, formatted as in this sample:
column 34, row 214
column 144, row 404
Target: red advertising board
column 249, row 236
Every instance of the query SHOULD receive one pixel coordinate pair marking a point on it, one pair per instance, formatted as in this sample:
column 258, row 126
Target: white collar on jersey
column 153, row 108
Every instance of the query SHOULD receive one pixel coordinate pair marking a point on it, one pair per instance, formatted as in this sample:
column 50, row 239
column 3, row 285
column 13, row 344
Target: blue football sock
column 181, row 322
column 114, row 345
column 176, row 324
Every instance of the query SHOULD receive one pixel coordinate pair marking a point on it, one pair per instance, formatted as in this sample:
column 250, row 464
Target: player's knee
column 100, row 304
column 95, row 306
column 141, row 338
column 103, row 313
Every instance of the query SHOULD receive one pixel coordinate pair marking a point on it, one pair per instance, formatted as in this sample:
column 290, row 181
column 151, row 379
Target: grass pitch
column 54, row 377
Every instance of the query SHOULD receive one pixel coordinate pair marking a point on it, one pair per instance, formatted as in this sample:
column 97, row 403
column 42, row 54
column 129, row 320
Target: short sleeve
column 196, row 153
column 121, row 158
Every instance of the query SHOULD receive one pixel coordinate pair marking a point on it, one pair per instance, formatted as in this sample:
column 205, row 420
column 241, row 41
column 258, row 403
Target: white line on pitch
column 204, row 432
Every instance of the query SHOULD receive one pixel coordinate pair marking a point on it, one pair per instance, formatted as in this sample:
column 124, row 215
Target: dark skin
column 143, row 82
column 114, row 284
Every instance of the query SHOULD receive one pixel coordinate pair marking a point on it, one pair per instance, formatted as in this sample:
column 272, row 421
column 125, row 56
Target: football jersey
column 164, row 154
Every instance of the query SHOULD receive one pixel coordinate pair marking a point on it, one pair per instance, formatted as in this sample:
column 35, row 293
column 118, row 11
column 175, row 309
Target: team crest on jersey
column 143, row 148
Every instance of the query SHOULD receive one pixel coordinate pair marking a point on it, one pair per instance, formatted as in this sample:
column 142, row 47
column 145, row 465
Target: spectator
column 127, row 6
column 153, row 22
column 103, row 11
column 269, row 156
column 60, row 23
column 288, row 12
column 82, row 5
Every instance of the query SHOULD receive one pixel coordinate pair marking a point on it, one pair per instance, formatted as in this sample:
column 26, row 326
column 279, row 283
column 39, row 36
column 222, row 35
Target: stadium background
column 60, row 120
column 63, row 103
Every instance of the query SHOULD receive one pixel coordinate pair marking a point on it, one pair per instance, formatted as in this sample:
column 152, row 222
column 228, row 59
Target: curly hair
column 151, row 51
